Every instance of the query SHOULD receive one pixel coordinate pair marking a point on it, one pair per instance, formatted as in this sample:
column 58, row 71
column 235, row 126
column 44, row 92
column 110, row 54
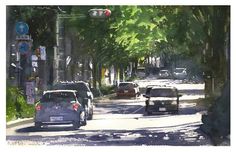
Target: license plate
column 57, row 118
column 162, row 109
column 126, row 91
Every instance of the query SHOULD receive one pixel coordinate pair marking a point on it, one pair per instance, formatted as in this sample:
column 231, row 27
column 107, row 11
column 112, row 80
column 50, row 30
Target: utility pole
column 60, row 58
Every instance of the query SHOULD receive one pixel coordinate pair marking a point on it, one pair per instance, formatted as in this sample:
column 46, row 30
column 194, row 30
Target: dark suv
column 83, row 91
column 162, row 99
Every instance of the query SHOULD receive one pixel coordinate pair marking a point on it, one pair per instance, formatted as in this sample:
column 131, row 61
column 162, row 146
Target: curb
column 19, row 122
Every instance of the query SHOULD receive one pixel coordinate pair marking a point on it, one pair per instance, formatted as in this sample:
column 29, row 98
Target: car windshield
column 179, row 70
column 73, row 86
column 58, row 97
column 163, row 93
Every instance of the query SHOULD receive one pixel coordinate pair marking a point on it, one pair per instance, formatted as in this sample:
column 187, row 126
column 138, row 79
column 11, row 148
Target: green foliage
column 107, row 90
column 16, row 105
column 11, row 112
column 136, row 30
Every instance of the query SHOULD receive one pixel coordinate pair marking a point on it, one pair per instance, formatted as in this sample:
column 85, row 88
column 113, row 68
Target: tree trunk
column 99, row 75
column 94, row 73
column 121, row 73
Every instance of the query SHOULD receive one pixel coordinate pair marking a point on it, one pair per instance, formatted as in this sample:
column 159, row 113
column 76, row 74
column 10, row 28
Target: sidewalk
column 17, row 122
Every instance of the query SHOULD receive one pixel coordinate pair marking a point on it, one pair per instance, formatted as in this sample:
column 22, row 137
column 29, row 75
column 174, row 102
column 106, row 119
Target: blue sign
column 23, row 47
column 22, row 28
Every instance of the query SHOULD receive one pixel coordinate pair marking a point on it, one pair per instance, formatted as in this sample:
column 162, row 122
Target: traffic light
column 99, row 13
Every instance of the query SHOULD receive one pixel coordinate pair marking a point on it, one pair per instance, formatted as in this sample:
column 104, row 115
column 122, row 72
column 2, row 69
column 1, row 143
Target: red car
column 128, row 89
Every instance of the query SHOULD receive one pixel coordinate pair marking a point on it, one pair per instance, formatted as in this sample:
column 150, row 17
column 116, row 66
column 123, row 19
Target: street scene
column 124, row 122
column 118, row 75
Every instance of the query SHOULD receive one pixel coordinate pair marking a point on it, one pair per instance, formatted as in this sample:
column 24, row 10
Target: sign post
column 23, row 48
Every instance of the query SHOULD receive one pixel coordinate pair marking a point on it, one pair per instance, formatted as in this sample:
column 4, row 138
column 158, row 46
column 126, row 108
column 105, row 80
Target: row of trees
column 133, row 33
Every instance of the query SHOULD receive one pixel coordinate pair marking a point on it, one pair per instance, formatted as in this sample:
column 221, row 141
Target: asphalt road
column 123, row 122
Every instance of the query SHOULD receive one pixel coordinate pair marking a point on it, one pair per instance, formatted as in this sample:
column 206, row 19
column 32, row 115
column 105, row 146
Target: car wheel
column 86, row 109
column 37, row 125
column 90, row 116
column 76, row 125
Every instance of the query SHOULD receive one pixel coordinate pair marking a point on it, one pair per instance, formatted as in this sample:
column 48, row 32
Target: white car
column 180, row 73
column 164, row 74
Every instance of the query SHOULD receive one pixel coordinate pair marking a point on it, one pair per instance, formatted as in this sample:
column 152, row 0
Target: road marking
column 137, row 110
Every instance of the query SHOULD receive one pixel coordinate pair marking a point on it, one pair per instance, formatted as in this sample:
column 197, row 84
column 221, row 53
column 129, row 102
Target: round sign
column 22, row 28
column 23, row 47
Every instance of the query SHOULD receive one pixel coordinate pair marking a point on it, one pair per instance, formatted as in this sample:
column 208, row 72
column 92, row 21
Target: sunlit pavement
column 123, row 122
column 117, row 129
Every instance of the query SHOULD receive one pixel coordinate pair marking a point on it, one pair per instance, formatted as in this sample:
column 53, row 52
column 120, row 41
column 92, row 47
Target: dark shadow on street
column 182, row 135
column 45, row 129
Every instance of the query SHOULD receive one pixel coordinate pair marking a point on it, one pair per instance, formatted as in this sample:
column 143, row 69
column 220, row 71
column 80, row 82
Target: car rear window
column 126, row 85
column 58, row 97
column 163, row 72
column 179, row 70
column 163, row 93
column 75, row 86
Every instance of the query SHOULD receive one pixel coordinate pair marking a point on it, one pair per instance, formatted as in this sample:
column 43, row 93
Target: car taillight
column 38, row 107
column 75, row 106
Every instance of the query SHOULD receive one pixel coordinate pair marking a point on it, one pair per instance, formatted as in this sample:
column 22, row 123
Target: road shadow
column 31, row 129
column 187, row 134
column 184, row 135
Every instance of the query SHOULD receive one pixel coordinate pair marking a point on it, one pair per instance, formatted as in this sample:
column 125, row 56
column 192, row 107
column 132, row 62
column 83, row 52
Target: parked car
column 162, row 99
column 83, row 91
column 164, row 74
column 128, row 89
column 180, row 73
column 58, row 107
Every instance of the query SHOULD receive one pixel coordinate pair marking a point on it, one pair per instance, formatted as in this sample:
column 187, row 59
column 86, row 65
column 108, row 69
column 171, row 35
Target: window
column 163, row 93
column 58, row 97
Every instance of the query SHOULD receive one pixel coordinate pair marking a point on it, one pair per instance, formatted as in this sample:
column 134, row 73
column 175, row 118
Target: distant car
column 141, row 72
column 180, row 73
column 164, row 74
column 128, row 89
column 58, row 107
column 162, row 99
column 83, row 91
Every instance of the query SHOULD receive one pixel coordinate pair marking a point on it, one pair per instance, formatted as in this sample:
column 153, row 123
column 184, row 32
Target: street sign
column 23, row 47
column 68, row 59
column 34, row 59
column 30, row 92
column 22, row 28
column 30, row 99
column 30, row 88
